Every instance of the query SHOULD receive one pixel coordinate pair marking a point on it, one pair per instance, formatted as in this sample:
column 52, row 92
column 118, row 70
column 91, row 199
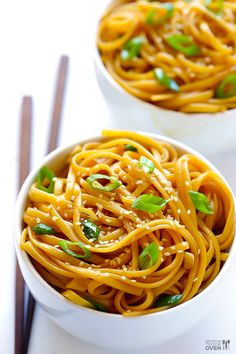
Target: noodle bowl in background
column 169, row 222
column 177, row 55
column 209, row 133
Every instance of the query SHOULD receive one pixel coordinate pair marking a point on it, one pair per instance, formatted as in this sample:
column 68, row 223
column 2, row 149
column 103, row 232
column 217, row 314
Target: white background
column 33, row 34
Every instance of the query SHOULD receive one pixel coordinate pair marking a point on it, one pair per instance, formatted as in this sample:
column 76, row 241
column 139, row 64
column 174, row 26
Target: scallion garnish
column 168, row 300
column 165, row 80
column 201, row 202
column 42, row 229
column 153, row 18
column 45, row 176
column 227, row 88
column 217, row 7
column 183, row 44
column 132, row 48
column 93, row 182
column 129, row 147
column 149, row 203
column 146, row 164
column 98, row 306
column 148, row 256
column 90, row 229
column 64, row 244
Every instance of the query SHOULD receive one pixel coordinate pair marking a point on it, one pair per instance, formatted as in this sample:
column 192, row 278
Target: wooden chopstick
column 58, row 103
column 24, row 167
column 52, row 144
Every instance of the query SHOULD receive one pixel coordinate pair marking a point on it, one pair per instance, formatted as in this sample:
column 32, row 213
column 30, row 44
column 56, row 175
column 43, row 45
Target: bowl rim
column 23, row 256
column 148, row 105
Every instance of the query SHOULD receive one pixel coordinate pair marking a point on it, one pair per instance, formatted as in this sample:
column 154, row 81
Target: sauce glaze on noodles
column 197, row 76
column 192, row 246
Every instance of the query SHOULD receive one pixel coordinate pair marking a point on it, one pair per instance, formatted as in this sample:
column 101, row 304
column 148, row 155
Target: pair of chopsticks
column 24, row 309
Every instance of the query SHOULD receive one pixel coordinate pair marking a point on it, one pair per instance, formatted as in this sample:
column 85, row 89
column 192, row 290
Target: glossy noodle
column 176, row 55
column 129, row 225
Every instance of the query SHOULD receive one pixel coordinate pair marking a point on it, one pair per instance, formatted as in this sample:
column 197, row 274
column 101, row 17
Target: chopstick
column 52, row 144
column 24, row 167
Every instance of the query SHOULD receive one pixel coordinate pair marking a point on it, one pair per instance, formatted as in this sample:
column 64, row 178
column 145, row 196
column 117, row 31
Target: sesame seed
column 66, row 215
column 89, row 268
column 187, row 183
column 67, row 263
column 172, row 247
column 144, row 276
column 147, row 227
column 72, row 198
column 77, row 223
column 185, row 243
column 139, row 181
column 162, row 259
column 161, row 248
column 179, row 211
column 123, row 277
column 54, row 218
column 180, row 251
column 195, row 279
column 87, row 246
column 199, row 251
column 133, row 280
column 54, row 179
column 57, row 246
column 97, row 246
column 120, row 217
column 70, row 206
column 58, row 208
column 166, row 254
column 107, row 220
column 38, row 220
column 188, row 211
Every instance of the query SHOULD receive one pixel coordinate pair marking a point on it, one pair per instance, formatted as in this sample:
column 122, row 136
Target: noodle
column 199, row 76
column 90, row 240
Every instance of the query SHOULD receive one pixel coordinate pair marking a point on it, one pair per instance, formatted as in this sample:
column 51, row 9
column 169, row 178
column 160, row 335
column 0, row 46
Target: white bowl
column 113, row 330
column 207, row 133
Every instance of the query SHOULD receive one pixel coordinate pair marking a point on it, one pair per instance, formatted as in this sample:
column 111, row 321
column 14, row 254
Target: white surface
column 33, row 36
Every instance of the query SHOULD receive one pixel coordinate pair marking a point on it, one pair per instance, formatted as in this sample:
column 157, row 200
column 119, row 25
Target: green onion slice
column 217, row 8
column 149, row 203
column 42, row 229
column 98, row 306
column 45, row 175
column 90, row 229
column 93, row 182
column 227, row 87
column 146, row 164
column 132, row 48
column 149, row 256
column 165, row 80
column 168, row 300
column 129, row 147
column 201, row 202
column 183, row 44
column 153, row 18
column 64, row 246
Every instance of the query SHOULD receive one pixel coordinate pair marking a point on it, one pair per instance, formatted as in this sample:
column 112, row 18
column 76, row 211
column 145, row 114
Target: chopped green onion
column 149, row 203
column 132, row 48
column 217, row 8
column 152, row 16
column 227, row 87
column 168, row 300
column 183, row 44
column 90, row 229
column 45, row 174
column 146, row 164
column 165, row 80
column 42, row 229
column 98, row 306
column 64, row 246
column 129, row 147
column 149, row 256
column 93, row 182
column 201, row 202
